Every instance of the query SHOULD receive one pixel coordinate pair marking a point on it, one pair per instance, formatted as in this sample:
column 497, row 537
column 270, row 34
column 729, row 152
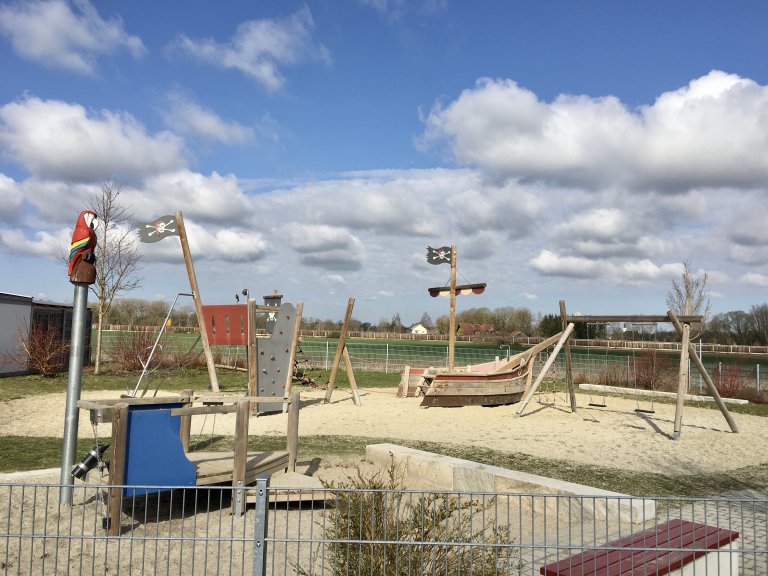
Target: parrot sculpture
column 83, row 241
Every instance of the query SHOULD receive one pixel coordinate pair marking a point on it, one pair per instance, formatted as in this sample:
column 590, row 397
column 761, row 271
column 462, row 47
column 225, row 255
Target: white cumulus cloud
column 61, row 34
column 58, row 140
column 11, row 199
column 184, row 116
column 711, row 133
column 260, row 48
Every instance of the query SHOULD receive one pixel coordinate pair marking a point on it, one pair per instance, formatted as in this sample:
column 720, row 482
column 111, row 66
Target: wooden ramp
column 217, row 467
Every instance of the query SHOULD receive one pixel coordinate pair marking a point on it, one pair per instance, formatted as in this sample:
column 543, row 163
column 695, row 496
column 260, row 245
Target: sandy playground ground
column 615, row 436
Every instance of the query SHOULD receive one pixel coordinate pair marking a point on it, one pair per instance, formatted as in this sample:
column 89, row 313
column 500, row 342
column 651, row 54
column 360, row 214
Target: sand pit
column 615, row 436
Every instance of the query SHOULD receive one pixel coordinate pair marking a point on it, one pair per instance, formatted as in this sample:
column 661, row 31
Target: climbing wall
column 273, row 357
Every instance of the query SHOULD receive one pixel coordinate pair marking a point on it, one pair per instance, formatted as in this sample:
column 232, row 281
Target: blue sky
column 571, row 150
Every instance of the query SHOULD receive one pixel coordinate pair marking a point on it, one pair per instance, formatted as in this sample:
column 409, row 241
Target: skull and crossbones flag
column 439, row 255
column 158, row 229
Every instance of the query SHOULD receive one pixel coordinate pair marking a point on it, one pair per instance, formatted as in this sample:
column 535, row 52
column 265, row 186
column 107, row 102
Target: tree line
column 737, row 327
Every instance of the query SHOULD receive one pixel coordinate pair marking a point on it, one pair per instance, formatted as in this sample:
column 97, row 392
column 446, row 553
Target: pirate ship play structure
column 488, row 384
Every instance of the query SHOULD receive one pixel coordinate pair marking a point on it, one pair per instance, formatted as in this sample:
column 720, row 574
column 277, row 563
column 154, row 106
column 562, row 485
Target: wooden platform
column 217, row 467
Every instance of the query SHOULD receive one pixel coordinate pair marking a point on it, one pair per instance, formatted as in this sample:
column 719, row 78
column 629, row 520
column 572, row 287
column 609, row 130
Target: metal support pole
column 262, row 524
column 74, row 382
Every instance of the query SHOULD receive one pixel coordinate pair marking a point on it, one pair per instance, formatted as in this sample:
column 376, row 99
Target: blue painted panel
column 154, row 455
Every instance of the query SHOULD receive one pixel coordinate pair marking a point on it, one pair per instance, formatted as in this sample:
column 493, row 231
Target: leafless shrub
column 613, row 375
column 130, row 349
column 41, row 351
column 654, row 371
column 730, row 380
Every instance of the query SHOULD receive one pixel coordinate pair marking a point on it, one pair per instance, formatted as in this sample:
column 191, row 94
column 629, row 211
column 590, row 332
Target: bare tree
column 118, row 258
column 693, row 287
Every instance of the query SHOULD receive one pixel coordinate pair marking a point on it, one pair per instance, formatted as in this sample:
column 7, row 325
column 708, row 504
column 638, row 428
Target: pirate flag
column 158, row 229
column 439, row 255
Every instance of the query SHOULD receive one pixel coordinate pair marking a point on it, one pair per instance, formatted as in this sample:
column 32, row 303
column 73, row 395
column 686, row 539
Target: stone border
column 429, row 471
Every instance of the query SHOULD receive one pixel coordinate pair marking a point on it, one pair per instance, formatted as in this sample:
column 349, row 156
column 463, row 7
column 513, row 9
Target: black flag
column 439, row 255
column 158, row 229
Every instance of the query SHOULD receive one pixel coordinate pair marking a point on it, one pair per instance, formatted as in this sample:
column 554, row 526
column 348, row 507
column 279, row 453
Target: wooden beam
column 339, row 350
column 706, row 377
column 351, row 378
column 117, row 467
column 638, row 319
column 568, row 364
column 198, row 303
column 240, row 457
column 198, row 410
column 186, row 422
column 252, row 355
column 292, row 434
column 452, row 313
column 528, row 354
column 292, row 356
column 682, row 373
column 527, row 398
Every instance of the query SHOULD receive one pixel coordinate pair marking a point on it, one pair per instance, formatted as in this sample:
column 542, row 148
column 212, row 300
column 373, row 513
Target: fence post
column 386, row 361
column 326, row 354
column 758, row 378
column 260, row 528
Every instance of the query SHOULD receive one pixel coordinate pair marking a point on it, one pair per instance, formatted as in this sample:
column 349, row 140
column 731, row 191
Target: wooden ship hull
column 494, row 383
column 475, row 389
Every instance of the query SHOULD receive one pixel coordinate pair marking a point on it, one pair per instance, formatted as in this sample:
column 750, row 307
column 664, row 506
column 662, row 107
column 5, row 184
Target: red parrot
column 83, row 240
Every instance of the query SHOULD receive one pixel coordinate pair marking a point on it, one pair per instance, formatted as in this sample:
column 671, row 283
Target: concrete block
column 428, row 471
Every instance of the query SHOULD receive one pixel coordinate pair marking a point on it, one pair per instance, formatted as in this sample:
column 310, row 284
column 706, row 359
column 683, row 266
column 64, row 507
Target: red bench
column 663, row 549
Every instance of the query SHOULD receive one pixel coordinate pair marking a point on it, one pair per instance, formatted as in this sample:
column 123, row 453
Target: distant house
column 469, row 329
column 419, row 329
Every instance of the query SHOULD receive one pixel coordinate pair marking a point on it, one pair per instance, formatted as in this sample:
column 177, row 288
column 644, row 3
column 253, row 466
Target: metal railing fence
column 645, row 368
column 345, row 531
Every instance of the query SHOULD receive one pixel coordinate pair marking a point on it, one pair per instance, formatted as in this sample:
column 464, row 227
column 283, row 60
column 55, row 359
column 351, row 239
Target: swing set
column 688, row 352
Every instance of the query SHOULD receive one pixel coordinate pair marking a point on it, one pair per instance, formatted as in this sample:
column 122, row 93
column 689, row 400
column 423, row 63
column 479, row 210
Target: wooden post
column 452, row 315
column 568, row 364
column 292, row 356
column 339, row 350
column 351, row 378
column 240, row 457
column 252, row 356
column 117, row 467
column 198, row 303
column 405, row 377
column 705, row 375
column 186, row 421
column 563, row 337
column 292, row 434
column 682, row 382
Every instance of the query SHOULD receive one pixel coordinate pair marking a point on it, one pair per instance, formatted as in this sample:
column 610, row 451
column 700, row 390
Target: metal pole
column 74, row 382
column 758, row 378
column 261, row 527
